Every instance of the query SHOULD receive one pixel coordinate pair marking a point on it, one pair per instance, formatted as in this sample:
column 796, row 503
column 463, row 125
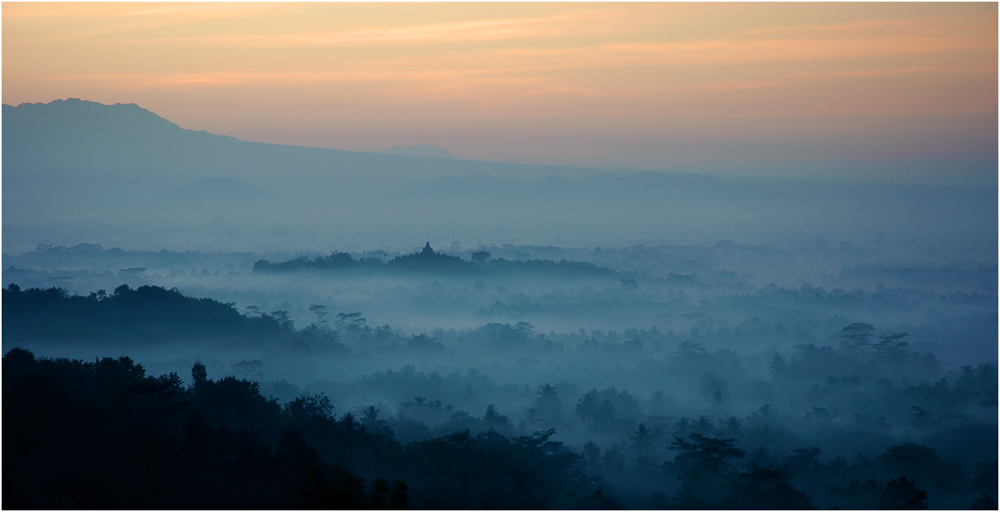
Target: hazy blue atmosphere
column 500, row 255
column 121, row 176
column 407, row 329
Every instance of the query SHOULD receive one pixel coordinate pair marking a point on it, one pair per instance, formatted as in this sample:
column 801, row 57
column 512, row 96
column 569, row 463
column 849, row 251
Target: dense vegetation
column 429, row 261
column 106, row 435
column 866, row 423
column 147, row 314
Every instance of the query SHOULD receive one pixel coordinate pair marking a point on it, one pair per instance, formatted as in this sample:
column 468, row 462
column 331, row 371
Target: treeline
column 94, row 257
column 143, row 315
column 105, row 435
column 695, row 429
column 814, row 382
column 430, row 261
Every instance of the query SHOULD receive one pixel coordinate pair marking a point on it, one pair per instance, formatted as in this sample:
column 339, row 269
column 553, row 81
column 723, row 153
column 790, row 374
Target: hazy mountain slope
column 74, row 166
column 221, row 194
column 106, row 140
column 691, row 205
column 77, row 171
column 421, row 150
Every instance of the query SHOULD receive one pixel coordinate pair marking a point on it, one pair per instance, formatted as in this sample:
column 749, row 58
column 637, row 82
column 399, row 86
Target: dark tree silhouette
column 765, row 489
column 856, row 338
column 901, row 494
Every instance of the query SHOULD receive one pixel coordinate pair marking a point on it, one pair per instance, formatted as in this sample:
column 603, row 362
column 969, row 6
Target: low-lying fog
column 848, row 348
column 817, row 326
column 613, row 323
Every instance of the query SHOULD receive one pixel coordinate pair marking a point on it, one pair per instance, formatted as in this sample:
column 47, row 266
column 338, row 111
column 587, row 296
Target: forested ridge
column 105, row 434
column 147, row 314
column 429, row 261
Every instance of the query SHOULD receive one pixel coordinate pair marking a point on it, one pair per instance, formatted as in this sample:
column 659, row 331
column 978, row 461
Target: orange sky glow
column 853, row 91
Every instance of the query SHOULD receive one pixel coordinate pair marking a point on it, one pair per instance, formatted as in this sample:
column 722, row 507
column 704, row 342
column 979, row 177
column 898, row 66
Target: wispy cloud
column 835, row 73
column 464, row 31
column 954, row 24
column 797, row 49
column 592, row 60
column 854, row 26
column 434, row 33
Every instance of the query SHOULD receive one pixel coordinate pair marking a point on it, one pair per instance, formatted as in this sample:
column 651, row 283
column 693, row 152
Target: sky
column 876, row 92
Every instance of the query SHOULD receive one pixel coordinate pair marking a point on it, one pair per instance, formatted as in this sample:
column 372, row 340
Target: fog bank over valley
column 408, row 329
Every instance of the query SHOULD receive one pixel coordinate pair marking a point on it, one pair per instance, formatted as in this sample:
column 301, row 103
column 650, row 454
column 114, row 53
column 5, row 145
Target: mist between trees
column 500, row 377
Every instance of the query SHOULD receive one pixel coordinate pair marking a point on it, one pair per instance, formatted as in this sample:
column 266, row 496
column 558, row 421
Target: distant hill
column 93, row 137
column 420, row 150
column 84, row 121
column 429, row 261
column 80, row 156
column 221, row 190
column 79, row 138
column 78, row 171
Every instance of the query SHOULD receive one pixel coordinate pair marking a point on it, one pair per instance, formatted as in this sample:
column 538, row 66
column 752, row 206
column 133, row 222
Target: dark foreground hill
column 105, row 435
column 880, row 425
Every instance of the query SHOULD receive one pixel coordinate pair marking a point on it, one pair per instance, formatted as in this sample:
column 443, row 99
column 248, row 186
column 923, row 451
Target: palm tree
column 703, row 425
column 682, row 427
column 732, row 428
column 642, row 440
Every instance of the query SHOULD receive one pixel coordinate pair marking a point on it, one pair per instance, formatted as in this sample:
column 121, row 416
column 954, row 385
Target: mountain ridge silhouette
column 70, row 166
column 420, row 150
